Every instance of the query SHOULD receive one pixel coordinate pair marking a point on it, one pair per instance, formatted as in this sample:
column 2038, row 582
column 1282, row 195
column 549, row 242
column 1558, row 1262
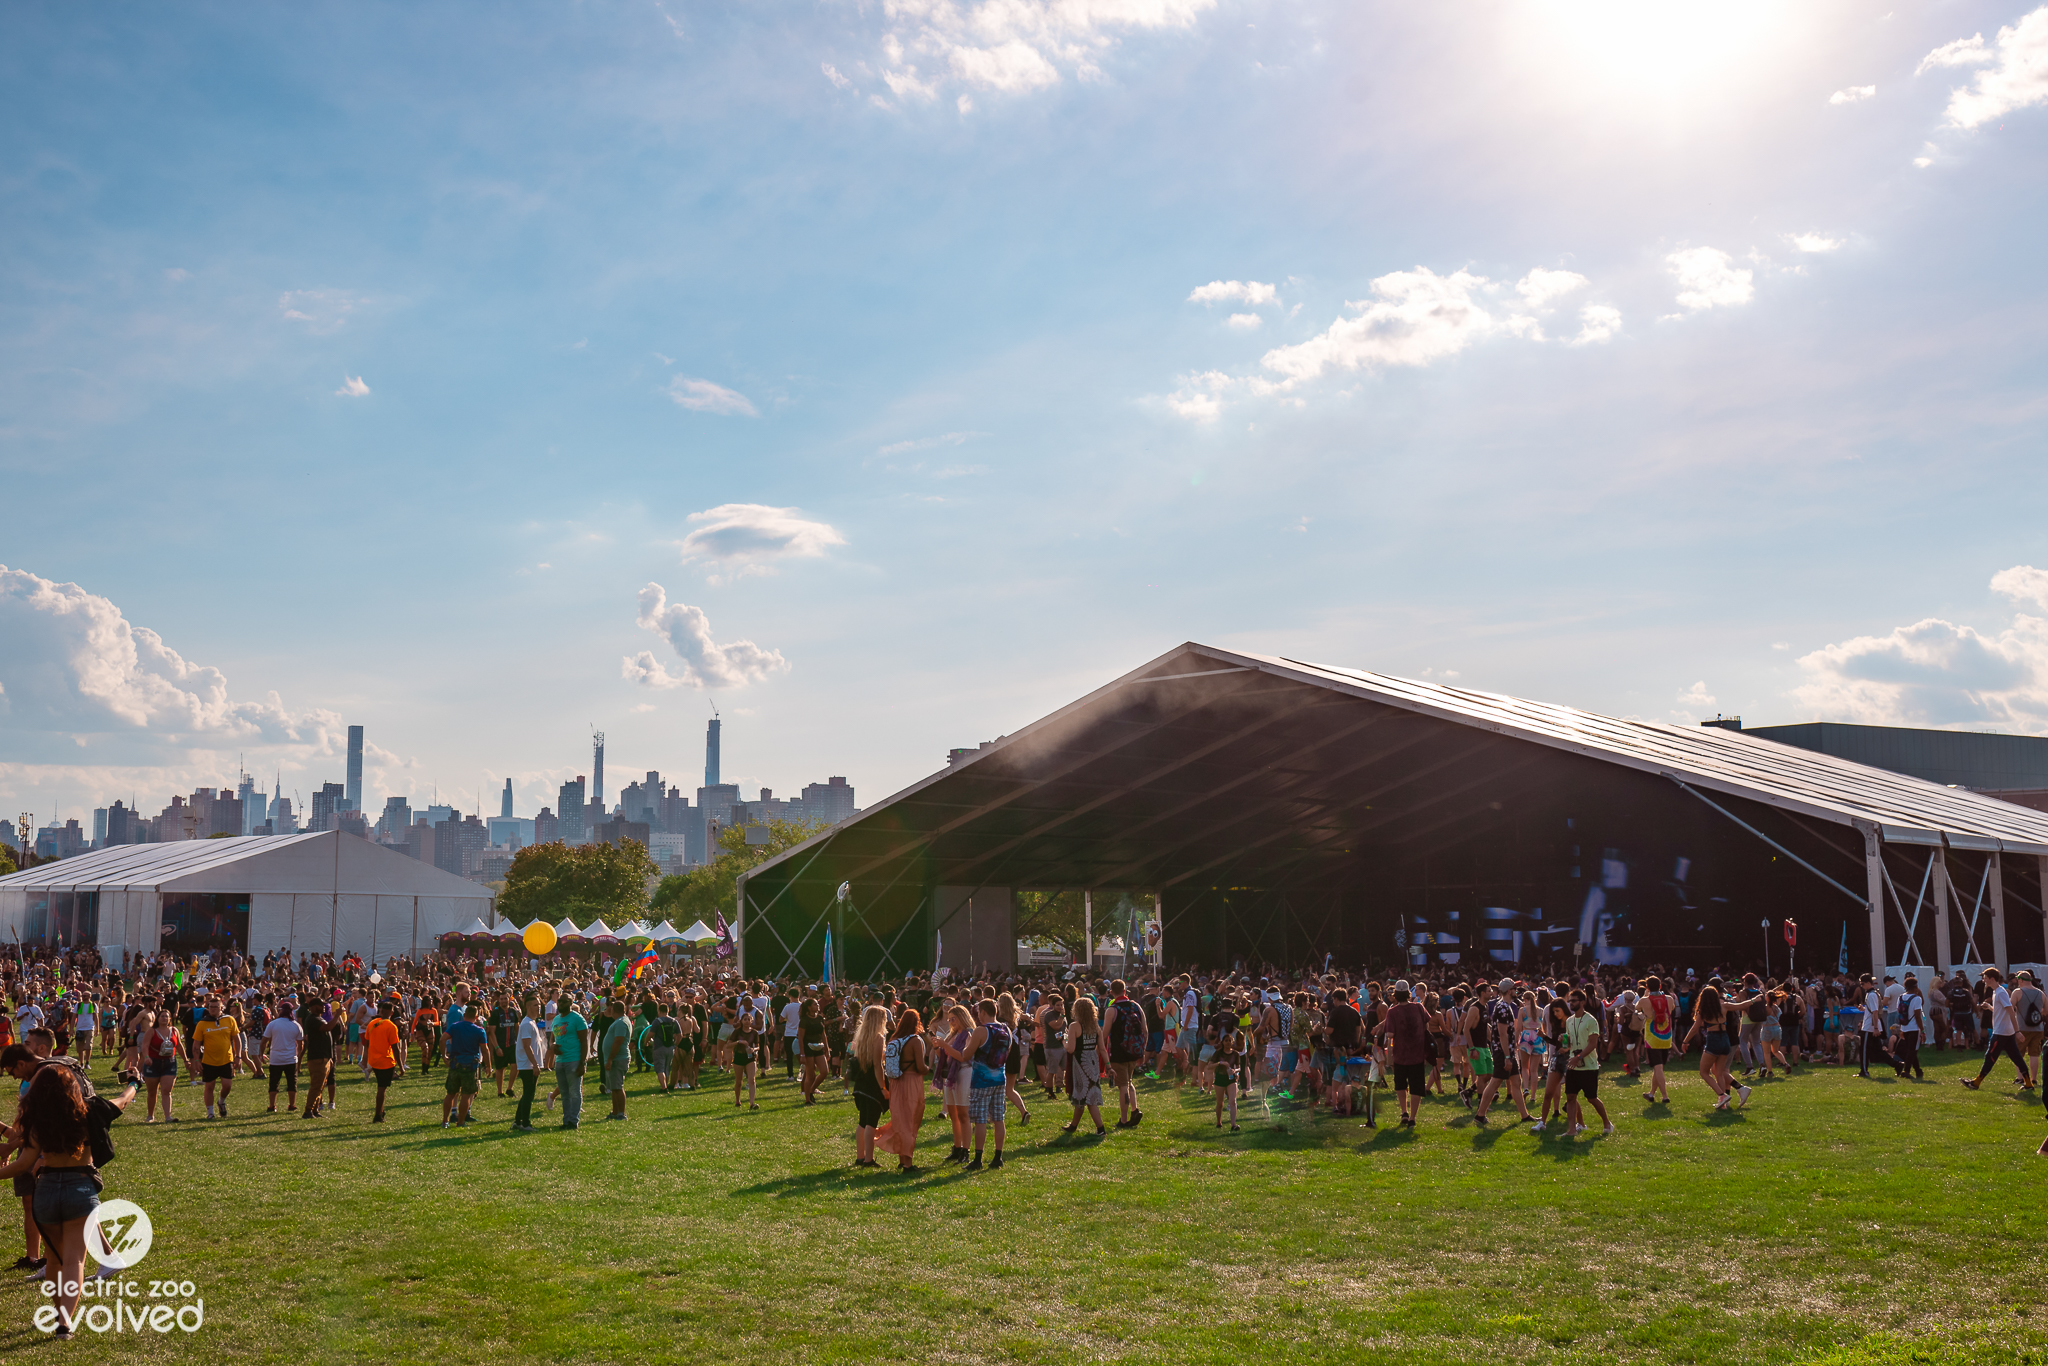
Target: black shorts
column 1409, row 1077
column 167, row 1067
column 1658, row 1056
column 1582, row 1082
column 869, row 1109
column 288, row 1071
column 216, row 1071
column 385, row 1075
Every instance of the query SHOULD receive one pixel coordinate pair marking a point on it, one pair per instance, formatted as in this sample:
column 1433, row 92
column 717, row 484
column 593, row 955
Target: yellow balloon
column 539, row 938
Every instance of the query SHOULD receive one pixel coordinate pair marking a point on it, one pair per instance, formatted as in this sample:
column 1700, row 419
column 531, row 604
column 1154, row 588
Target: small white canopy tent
column 568, row 932
column 698, row 933
column 598, row 930
column 318, row 893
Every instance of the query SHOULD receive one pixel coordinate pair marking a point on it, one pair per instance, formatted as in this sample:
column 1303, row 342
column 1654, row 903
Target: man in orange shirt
column 426, row 1027
column 380, row 1050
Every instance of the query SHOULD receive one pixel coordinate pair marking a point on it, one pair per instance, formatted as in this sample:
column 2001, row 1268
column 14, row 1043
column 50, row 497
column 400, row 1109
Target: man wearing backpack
column 2031, row 1006
column 2004, row 1033
column 1125, row 1027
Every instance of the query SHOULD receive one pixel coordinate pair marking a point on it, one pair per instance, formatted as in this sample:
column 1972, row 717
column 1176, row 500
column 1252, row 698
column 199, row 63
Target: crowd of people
column 544, row 1032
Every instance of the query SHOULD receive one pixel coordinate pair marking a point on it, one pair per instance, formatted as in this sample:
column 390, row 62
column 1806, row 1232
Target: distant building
column 492, row 866
column 546, row 829
column 327, row 802
column 396, row 822
column 505, row 806
column 455, row 841
column 121, row 827
column 644, row 801
column 597, row 772
column 569, row 811
column 670, row 851
column 714, row 807
column 253, row 805
column 282, row 819
column 830, row 801
column 353, row 823
column 510, row 832
column 711, row 754
column 99, row 827
column 419, row 841
column 618, row 831
column 61, row 841
column 352, row 798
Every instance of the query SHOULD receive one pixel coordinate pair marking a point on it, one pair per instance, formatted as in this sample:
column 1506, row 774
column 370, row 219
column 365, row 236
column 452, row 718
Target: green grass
column 1840, row 1221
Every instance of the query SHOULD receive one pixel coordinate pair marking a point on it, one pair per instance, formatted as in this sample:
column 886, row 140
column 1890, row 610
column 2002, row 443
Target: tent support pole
column 1873, row 865
column 1998, row 952
column 1943, row 956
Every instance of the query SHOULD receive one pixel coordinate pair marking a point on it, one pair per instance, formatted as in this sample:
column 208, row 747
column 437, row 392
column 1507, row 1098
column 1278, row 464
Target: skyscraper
column 353, row 798
column 505, row 807
column 396, row 825
column 326, row 802
column 252, row 805
column 569, row 812
column 597, row 772
column 711, row 754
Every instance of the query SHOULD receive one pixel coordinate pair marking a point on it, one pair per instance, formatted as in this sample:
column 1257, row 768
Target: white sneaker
column 1537, row 1127
column 1745, row 1095
column 1607, row 1132
column 1722, row 1103
column 1574, row 1130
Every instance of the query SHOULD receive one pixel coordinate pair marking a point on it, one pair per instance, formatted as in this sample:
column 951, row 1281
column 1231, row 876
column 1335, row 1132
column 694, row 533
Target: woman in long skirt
column 906, row 1093
column 1084, row 1066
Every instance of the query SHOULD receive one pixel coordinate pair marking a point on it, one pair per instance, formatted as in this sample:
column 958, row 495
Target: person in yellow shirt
column 218, row 1043
column 380, row 1049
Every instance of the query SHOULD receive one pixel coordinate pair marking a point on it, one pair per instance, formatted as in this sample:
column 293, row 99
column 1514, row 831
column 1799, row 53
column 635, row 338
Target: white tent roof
column 599, row 930
column 320, row 862
column 474, row 929
column 568, row 929
column 634, row 930
column 665, row 933
column 698, row 933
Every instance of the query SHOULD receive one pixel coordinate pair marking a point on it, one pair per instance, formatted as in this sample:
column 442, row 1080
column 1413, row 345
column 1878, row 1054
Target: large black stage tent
column 1289, row 813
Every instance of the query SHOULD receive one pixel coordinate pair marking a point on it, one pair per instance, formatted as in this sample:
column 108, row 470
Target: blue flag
column 827, row 975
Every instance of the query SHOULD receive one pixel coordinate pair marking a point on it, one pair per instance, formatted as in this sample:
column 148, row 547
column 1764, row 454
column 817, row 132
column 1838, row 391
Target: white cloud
column 323, row 311
column 1939, row 673
column 1597, row 323
column 832, row 75
column 1245, row 322
column 1853, row 94
column 2016, row 76
column 1541, row 288
column 704, row 662
column 702, row 396
column 1962, row 52
column 1814, row 242
column 1013, row 46
column 73, row 664
column 748, row 537
column 925, row 443
column 1233, row 291
column 1697, row 697
column 1709, row 278
column 1418, row 316
column 352, row 388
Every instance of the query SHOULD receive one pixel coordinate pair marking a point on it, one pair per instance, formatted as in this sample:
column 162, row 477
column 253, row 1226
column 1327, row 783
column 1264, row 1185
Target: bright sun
column 1664, row 49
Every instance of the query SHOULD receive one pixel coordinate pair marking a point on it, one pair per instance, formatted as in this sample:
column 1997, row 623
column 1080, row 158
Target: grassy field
column 1838, row 1220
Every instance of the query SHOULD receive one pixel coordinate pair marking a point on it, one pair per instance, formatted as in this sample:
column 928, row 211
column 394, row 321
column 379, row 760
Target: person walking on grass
column 1406, row 1033
column 1084, row 1066
column 1229, row 1057
column 381, row 1051
column 1582, row 1069
column 1557, row 1057
column 56, row 1155
column 1710, row 1027
column 746, row 1049
column 528, row 1049
column 2005, row 1031
column 161, row 1049
column 984, row 1054
column 282, row 1038
column 2030, row 1007
column 905, row 1062
column 572, row 1042
column 1125, row 1026
column 219, row 1045
column 319, row 1054
column 1659, row 1010
column 617, row 1054
column 467, row 1042
column 865, row 1061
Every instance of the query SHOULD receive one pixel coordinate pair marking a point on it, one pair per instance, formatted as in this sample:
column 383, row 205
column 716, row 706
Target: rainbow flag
column 644, row 961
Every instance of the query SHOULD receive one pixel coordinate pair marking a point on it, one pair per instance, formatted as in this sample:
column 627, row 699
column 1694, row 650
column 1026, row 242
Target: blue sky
column 894, row 373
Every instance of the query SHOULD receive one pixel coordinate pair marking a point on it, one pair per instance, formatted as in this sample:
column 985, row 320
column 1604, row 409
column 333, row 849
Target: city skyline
column 889, row 384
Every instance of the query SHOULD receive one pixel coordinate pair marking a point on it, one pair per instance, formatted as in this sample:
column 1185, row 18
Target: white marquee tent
column 317, row 893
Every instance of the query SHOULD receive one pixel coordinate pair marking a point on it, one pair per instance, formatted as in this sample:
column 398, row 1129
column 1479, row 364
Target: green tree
column 7, row 860
column 589, row 882
column 710, row 890
column 1052, row 920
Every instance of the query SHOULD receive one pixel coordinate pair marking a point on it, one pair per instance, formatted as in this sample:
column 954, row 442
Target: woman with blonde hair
column 864, row 1073
column 904, row 1064
column 1084, row 1065
column 955, row 1075
column 1008, row 1015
